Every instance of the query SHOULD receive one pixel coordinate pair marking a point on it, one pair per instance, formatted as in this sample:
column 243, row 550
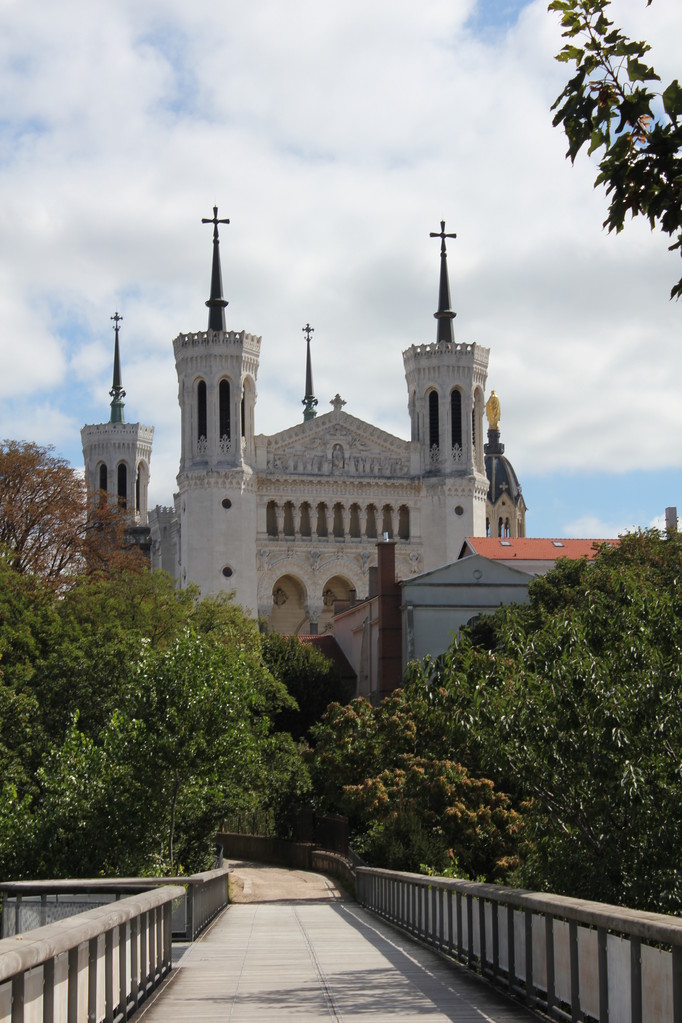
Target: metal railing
column 568, row 958
column 96, row 966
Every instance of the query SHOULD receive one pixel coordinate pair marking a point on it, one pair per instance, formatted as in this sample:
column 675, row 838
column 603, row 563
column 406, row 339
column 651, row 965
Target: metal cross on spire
column 215, row 220
column 216, row 303
column 442, row 234
column 310, row 401
column 117, row 393
column 444, row 315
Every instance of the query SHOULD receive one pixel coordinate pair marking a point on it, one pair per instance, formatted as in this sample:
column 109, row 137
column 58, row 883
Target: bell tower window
column 202, row 428
column 456, row 417
column 103, row 477
column 224, row 404
column 434, row 435
column 122, row 488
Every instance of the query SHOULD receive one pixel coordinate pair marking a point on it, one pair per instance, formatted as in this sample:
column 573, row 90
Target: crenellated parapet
column 223, row 339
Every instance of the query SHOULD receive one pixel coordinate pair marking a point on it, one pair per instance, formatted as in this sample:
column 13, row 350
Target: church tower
column 446, row 385
column 216, row 501
column 117, row 454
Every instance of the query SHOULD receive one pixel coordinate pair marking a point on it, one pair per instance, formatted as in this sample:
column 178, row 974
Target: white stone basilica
column 290, row 522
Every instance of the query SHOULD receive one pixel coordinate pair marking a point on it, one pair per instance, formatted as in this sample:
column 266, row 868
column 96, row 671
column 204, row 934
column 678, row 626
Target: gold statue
column 492, row 411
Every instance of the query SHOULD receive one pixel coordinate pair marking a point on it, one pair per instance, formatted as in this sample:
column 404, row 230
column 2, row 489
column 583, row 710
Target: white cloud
column 335, row 137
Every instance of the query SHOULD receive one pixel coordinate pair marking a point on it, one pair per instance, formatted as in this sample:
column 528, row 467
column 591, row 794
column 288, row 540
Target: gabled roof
column 529, row 548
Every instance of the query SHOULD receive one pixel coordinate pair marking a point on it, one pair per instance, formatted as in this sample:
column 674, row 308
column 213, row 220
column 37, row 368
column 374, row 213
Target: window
column 456, row 418
column 434, row 435
column 224, row 410
column 122, row 489
column 102, row 477
column 202, row 429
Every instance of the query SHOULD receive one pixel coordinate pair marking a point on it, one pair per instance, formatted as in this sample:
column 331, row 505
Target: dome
column 501, row 478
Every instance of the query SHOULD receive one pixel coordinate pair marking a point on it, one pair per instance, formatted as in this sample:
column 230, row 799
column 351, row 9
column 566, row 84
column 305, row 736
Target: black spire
column 445, row 315
column 310, row 401
column 117, row 393
column 216, row 303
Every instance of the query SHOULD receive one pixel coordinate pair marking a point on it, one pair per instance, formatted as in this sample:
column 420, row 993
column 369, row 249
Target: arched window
column 387, row 521
column 103, row 481
column 137, row 490
column 305, row 519
column 473, row 429
column 337, row 529
column 322, row 529
column 404, row 522
column 456, row 418
column 434, row 435
column 355, row 521
column 289, row 519
column 371, row 527
column 243, row 415
column 271, row 519
column 224, row 410
column 122, row 488
column 202, row 428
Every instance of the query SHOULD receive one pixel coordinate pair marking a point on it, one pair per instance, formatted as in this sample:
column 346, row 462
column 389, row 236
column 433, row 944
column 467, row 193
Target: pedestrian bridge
column 290, row 944
column 316, row 956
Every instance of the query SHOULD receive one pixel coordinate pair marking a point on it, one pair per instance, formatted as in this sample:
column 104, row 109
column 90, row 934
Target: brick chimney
column 390, row 638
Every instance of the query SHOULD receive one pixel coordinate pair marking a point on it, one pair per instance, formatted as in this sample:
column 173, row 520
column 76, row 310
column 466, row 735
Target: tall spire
column 310, row 401
column 445, row 315
column 117, row 393
column 216, row 303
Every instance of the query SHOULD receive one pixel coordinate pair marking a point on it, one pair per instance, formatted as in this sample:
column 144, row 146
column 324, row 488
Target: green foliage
column 394, row 770
column 133, row 717
column 573, row 705
column 310, row 678
column 610, row 105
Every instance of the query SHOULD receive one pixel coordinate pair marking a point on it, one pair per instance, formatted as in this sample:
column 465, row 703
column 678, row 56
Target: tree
column 42, row 510
column 571, row 704
column 610, row 105
column 133, row 718
column 312, row 679
column 44, row 525
column 412, row 804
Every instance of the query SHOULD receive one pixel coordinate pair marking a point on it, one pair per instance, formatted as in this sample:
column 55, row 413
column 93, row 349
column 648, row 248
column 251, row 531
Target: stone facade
column 290, row 521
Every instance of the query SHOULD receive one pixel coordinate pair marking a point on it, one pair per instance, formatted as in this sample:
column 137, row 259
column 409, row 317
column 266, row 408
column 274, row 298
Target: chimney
column 671, row 520
column 390, row 637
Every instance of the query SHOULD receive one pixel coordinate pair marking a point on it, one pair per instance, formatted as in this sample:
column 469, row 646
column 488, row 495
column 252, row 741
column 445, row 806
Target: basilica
column 290, row 522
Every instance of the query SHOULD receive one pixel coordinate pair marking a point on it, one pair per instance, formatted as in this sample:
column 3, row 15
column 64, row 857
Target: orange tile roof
column 531, row 548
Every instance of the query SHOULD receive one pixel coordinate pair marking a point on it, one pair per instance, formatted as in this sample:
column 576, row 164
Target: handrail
column 567, row 957
column 203, row 895
column 90, row 967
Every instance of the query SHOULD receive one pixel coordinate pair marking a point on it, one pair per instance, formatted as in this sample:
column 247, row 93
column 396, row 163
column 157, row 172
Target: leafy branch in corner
column 610, row 104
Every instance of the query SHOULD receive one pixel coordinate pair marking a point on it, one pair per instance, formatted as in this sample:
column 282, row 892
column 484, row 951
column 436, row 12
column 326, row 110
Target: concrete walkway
column 317, row 958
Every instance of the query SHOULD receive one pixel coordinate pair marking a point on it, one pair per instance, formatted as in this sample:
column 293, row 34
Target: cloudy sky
column 335, row 136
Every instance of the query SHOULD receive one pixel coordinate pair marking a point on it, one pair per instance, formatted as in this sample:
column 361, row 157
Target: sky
column 335, row 136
